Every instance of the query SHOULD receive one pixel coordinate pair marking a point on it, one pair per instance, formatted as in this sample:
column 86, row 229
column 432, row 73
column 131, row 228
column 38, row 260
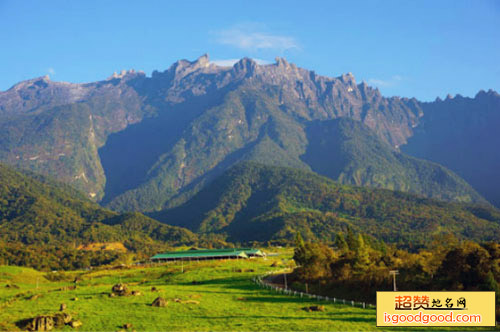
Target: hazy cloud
column 231, row 62
column 394, row 80
column 51, row 71
column 252, row 37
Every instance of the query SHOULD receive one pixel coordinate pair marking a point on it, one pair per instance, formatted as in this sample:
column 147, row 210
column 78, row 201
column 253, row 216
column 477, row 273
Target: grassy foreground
column 223, row 298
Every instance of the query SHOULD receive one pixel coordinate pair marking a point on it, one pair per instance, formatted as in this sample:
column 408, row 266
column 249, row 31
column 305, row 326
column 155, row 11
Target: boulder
column 41, row 323
column 61, row 318
column 136, row 293
column 63, row 307
column 159, row 302
column 127, row 326
column 120, row 290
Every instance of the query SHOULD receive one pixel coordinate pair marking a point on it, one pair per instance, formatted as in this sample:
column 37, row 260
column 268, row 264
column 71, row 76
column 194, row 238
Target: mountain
column 36, row 210
column 462, row 134
column 56, row 128
column 254, row 202
column 138, row 143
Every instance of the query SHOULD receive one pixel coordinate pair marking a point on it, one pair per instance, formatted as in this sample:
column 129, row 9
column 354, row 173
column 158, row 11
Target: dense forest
column 255, row 202
column 43, row 222
column 356, row 266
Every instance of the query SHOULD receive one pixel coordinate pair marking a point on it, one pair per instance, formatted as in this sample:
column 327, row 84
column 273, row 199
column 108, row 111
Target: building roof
column 251, row 251
column 199, row 254
column 204, row 253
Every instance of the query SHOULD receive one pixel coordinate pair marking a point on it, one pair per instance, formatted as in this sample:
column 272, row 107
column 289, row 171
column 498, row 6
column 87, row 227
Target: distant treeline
column 65, row 256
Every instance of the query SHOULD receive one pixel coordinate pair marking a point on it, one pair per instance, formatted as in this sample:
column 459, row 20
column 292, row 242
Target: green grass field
column 228, row 300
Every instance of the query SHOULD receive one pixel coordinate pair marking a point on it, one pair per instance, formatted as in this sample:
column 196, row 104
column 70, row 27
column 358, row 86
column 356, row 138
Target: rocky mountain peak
column 246, row 65
column 203, row 61
column 281, row 62
column 37, row 82
column 348, row 79
column 183, row 68
column 486, row 94
column 126, row 74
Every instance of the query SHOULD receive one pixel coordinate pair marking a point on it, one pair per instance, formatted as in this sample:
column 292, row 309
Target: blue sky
column 420, row 49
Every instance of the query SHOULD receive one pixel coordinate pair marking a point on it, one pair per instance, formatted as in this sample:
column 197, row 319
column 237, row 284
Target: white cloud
column 383, row 83
column 51, row 71
column 231, row 62
column 250, row 37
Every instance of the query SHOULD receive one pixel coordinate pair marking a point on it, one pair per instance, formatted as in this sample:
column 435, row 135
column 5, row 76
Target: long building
column 205, row 254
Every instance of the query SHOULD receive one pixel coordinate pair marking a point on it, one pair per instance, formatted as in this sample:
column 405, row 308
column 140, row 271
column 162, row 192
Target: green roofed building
column 205, row 254
column 252, row 252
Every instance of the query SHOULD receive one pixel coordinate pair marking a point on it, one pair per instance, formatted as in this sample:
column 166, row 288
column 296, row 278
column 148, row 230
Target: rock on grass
column 314, row 308
column 120, row 290
column 159, row 302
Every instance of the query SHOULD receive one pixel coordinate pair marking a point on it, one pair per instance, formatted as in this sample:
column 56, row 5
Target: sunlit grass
column 228, row 299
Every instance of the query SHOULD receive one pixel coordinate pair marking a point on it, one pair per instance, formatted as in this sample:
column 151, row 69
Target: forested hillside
column 38, row 215
column 254, row 202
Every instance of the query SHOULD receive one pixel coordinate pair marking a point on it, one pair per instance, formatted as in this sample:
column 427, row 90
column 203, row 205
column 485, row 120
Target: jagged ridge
column 192, row 121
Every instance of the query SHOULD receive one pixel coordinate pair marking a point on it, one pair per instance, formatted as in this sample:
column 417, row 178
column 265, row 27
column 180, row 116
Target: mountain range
column 138, row 143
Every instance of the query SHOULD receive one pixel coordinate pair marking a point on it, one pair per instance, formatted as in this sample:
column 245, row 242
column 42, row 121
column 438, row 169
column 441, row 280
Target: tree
column 300, row 255
column 340, row 242
column 362, row 255
column 352, row 240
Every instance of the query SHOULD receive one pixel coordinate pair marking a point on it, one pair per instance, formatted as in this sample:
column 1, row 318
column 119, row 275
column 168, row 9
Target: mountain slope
column 250, row 125
column 253, row 202
column 349, row 152
column 462, row 134
column 36, row 210
column 56, row 128
column 265, row 123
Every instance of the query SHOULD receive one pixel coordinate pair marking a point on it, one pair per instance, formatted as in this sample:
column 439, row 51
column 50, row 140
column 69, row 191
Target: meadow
column 202, row 296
